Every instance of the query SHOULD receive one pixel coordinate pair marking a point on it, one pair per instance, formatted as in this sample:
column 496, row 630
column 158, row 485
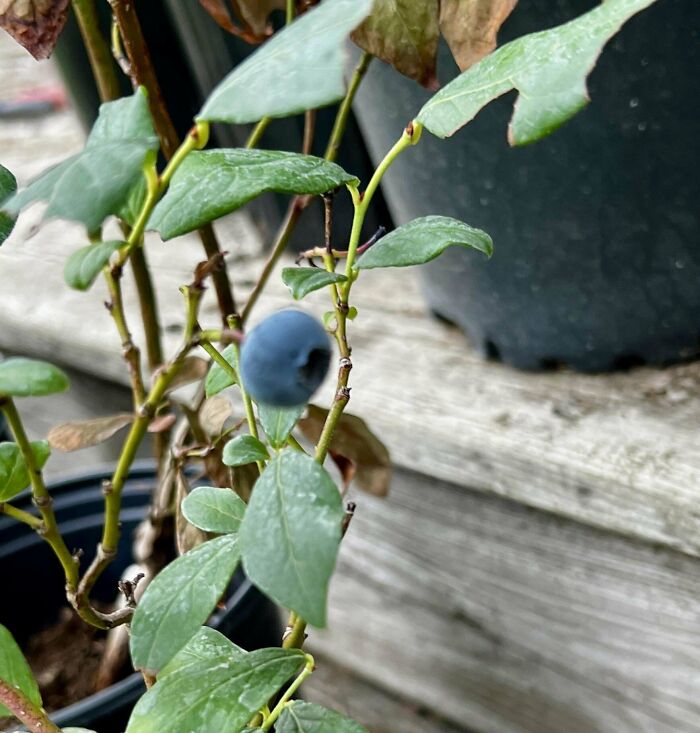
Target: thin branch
column 98, row 50
column 143, row 73
column 25, row 710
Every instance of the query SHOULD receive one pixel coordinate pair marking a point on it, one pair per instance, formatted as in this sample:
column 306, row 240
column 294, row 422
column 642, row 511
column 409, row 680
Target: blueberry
column 285, row 358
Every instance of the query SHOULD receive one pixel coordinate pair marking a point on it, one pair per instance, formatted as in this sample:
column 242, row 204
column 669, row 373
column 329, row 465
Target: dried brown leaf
column 187, row 536
column 357, row 444
column 72, row 436
column 470, row 27
column 214, row 414
column 162, row 423
column 34, row 24
column 256, row 12
column 405, row 34
column 193, row 370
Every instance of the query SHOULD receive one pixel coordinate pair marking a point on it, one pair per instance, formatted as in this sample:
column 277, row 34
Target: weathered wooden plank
column 509, row 620
column 379, row 711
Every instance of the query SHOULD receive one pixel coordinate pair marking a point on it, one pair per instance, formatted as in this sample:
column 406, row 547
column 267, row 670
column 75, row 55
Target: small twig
column 25, row 710
column 98, row 50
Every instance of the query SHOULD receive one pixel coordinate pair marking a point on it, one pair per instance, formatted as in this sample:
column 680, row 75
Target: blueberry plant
column 272, row 506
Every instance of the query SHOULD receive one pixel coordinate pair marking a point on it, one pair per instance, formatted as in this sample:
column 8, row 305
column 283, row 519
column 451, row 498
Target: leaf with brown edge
column 253, row 13
column 470, row 27
column 214, row 414
column 356, row 443
column 72, row 436
column 34, row 24
column 404, row 33
column 193, row 369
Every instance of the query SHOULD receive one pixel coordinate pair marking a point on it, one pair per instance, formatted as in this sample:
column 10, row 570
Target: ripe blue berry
column 285, row 358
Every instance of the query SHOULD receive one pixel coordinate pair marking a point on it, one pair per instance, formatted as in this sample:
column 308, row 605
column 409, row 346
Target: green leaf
column 8, row 185
column 212, row 183
column 85, row 264
column 218, row 379
column 299, row 68
column 214, row 509
column 244, row 449
column 97, row 182
column 549, row 69
column 305, row 717
column 304, row 280
column 291, row 532
column 14, row 476
column 405, row 34
column 207, row 645
column 212, row 698
column 179, row 601
column 15, row 670
column 20, row 377
column 422, row 240
column 278, row 422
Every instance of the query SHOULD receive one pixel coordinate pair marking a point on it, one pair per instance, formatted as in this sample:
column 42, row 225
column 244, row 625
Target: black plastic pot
column 33, row 578
column 595, row 228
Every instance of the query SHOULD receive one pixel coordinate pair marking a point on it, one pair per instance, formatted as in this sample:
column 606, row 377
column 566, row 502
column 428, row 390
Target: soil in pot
column 37, row 613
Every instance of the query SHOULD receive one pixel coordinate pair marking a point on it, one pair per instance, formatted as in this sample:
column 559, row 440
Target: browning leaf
column 34, row 24
column 256, row 12
column 162, row 423
column 72, row 436
column 187, row 535
column 357, row 444
column 405, row 34
column 193, row 370
column 470, row 27
column 214, row 413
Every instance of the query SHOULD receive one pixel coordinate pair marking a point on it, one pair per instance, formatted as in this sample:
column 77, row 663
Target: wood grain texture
column 509, row 620
column 379, row 711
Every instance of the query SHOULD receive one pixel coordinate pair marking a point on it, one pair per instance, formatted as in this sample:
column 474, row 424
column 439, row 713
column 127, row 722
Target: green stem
column 148, row 306
column 291, row 11
column 341, row 118
column 411, row 136
column 21, row 516
column 130, row 352
column 277, row 710
column 284, row 235
column 25, row 710
column 257, row 132
column 107, row 548
column 299, row 203
column 247, row 402
column 98, row 50
column 41, row 496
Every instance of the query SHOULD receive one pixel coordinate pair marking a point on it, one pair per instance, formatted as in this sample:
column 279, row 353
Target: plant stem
column 148, row 306
column 299, row 203
column 291, row 11
column 341, row 119
column 411, row 136
column 98, row 51
column 41, row 496
column 144, row 74
column 283, row 236
column 107, row 548
column 21, row 516
column 25, row 710
column 130, row 352
column 277, row 710
column 257, row 132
